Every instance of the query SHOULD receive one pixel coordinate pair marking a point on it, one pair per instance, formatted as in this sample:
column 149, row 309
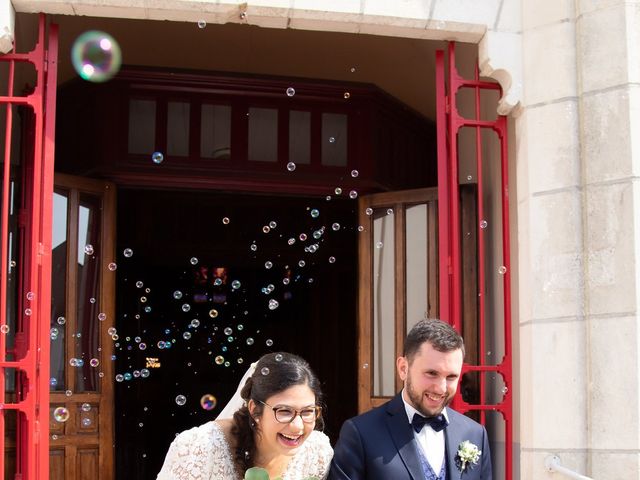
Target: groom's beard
column 417, row 399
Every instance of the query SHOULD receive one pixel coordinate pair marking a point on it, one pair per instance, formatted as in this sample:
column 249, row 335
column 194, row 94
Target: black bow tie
column 438, row 423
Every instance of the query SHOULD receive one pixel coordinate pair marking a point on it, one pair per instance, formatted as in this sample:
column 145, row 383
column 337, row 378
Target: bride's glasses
column 285, row 414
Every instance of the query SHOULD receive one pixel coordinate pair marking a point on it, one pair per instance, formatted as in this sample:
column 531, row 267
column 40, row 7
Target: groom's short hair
column 439, row 334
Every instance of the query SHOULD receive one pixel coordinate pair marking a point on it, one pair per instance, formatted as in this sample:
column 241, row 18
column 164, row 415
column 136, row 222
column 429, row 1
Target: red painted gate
column 450, row 121
column 26, row 262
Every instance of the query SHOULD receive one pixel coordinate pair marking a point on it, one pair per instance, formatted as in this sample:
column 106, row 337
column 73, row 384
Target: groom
column 415, row 435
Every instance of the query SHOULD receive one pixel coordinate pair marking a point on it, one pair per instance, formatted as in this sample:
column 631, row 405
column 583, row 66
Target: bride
column 271, row 422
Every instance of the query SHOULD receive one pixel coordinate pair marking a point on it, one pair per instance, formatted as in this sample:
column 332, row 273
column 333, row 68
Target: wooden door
column 398, row 283
column 82, row 312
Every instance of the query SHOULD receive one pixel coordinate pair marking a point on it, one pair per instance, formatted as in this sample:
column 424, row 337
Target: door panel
column 83, row 309
column 398, row 283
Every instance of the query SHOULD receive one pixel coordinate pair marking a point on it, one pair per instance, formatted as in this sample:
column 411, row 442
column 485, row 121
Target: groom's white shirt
column 430, row 441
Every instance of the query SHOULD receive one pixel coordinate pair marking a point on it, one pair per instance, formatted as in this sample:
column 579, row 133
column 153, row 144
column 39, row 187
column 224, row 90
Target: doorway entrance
column 206, row 284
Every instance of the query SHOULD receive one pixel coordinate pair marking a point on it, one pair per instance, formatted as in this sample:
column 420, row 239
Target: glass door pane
column 416, row 235
column 88, row 283
column 384, row 354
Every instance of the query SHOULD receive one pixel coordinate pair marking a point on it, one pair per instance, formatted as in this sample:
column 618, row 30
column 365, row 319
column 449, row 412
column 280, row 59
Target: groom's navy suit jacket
column 379, row 445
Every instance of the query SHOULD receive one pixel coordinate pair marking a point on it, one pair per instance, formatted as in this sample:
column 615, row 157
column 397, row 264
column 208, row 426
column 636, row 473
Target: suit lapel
column 453, row 437
column 403, row 438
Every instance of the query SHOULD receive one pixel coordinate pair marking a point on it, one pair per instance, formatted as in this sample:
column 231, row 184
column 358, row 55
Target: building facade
column 570, row 73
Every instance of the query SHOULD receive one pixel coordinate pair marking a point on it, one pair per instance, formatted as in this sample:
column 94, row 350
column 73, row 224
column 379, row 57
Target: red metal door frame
column 31, row 353
column 449, row 123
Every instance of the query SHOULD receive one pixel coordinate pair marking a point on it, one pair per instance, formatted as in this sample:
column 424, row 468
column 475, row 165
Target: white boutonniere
column 468, row 453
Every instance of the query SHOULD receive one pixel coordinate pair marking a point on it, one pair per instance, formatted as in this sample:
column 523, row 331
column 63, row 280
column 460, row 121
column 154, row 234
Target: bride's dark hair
column 274, row 373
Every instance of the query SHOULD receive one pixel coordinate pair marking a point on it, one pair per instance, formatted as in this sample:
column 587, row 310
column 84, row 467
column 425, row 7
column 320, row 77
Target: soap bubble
column 354, row 173
column 264, row 371
column 353, row 194
column 88, row 249
column 278, row 357
column 112, row 266
column 291, row 166
column 86, row 422
column 369, row 211
column 102, row 316
column 96, row 56
column 213, row 313
column 61, row 414
column 208, row 401
column 235, row 284
column 202, row 24
column 219, row 360
column 61, row 320
column 177, row 294
column 269, row 342
column 502, row 270
column 291, row 92
column 127, row 252
column 85, row 407
column 225, row 221
column 181, row 400
column 338, row 191
column 273, row 304
column 157, row 158
column 315, row 213
column 193, row 260
column 335, row 227
column 144, row 373
column 347, row 95
column 483, row 224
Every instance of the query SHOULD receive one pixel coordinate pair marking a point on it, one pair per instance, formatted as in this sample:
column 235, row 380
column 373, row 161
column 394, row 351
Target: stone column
column 608, row 61
column 553, row 374
column 7, row 25
column 579, row 223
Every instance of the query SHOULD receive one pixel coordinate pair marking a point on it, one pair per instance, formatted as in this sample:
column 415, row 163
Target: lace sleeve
column 313, row 460
column 198, row 454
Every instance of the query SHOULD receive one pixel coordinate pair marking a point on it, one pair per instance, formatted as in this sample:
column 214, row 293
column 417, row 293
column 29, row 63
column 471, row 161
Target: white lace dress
column 202, row 453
